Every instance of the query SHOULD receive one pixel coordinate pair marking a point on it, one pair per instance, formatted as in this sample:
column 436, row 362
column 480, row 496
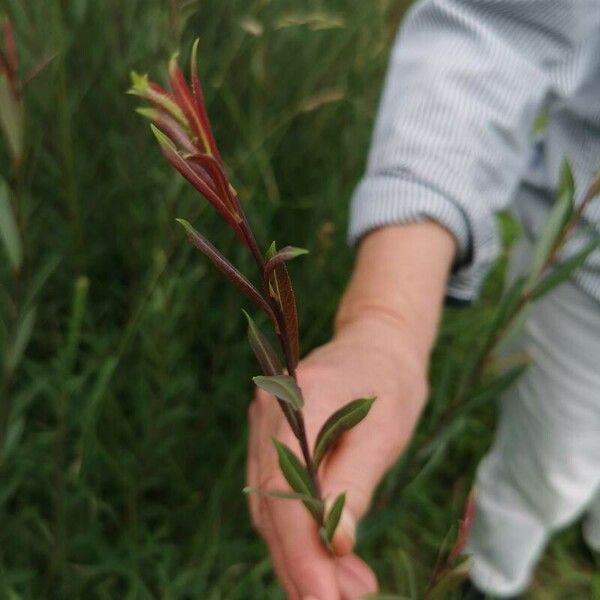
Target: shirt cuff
column 381, row 200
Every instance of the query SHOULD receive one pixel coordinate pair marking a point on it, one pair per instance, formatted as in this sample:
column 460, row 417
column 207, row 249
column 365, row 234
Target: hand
column 371, row 356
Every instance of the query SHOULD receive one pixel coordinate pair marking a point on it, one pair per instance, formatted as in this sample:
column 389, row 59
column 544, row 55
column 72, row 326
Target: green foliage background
column 123, row 441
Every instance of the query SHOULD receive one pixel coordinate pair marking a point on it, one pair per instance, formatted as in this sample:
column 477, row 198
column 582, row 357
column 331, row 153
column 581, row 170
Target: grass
column 122, row 455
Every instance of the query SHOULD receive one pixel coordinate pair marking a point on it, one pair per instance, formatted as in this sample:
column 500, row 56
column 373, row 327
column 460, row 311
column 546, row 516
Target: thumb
column 355, row 467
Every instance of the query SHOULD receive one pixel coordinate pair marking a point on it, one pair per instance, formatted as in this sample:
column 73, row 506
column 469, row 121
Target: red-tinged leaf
column 199, row 100
column 296, row 475
column 169, row 126
column 4, row 67
column 280, row 289
column 340, row 421
column 283, row 387
column 283, row 255
column 463, row 529
column 10, row 46
column 200, row 242
column 592, row 191
column 264, row 352
column 11, row 119
column 170, row 152
column 184, row 97
column 214, row 169
column 37, row 69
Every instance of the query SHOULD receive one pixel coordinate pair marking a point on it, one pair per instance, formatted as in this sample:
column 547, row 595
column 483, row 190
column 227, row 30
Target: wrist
column 399, row 282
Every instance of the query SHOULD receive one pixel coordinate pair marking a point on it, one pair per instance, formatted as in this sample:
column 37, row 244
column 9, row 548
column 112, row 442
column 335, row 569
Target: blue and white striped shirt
column 453, row 139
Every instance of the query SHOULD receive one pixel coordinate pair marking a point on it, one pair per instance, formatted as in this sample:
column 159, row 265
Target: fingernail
column 345, row 535
column 310, row 598
column 348, row 525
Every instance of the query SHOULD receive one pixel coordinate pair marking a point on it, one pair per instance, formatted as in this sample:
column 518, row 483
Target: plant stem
column 284, row 341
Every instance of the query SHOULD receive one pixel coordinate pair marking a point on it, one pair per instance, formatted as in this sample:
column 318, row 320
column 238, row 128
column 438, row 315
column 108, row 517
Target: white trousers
column 543, row 470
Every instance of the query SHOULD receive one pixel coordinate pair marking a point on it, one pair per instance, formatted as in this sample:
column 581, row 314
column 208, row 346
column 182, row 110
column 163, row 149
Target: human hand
column 370, row 356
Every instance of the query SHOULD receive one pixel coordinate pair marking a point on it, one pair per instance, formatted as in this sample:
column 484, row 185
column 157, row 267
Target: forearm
column 399, row 279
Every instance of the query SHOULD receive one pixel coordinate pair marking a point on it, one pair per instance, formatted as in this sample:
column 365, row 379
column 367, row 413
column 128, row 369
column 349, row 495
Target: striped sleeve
column 465, row 82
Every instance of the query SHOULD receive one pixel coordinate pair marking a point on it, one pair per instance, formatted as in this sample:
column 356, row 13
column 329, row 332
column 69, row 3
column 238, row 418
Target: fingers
column 278, row 560
column 355, row 578
column 300, row 561
column 305, row 559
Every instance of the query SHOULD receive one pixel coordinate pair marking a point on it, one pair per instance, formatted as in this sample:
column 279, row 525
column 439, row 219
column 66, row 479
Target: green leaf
column 264, row 352
column 315, row 502
column 12, row 438
column 270, row 365
column 559, row 216
column 9, row 232
column 451, row 580
column 333, row 516
column 282, row 386
column 340, row 421
column 271, row 251
column 295, row 474
column 71, row 345
column 509, row 336
column 565, row 269
column 22, row 336
column 11, row 119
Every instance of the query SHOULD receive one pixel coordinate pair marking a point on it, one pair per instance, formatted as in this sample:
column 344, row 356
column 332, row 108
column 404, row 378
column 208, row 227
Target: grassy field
column 126, row 372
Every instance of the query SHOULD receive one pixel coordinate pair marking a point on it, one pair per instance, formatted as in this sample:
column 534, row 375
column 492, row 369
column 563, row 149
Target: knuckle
column 304, row 567
column 273, row 480
column 309, row 372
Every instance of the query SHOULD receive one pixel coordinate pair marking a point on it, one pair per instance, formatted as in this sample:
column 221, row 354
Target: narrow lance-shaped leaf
column 593, row 190
column 172, row 155
column 340, row 421
column 11, row 119
column 10, row 45
column 215, row 171
column 560, row 214
column 270, row 365
column 282, row 386
column 183, row 95
column 450, row 581
column 24, row 329
column 281, row 290
column 264, row 352
column 285, row 254
column 160, row 98
column 314, row 502
column 464, row 529
column 333, row 516
column 9, row 232
column 169, row 126
column 295, row 474
column 225, row 266
column 564, row 270
column 199, row 100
